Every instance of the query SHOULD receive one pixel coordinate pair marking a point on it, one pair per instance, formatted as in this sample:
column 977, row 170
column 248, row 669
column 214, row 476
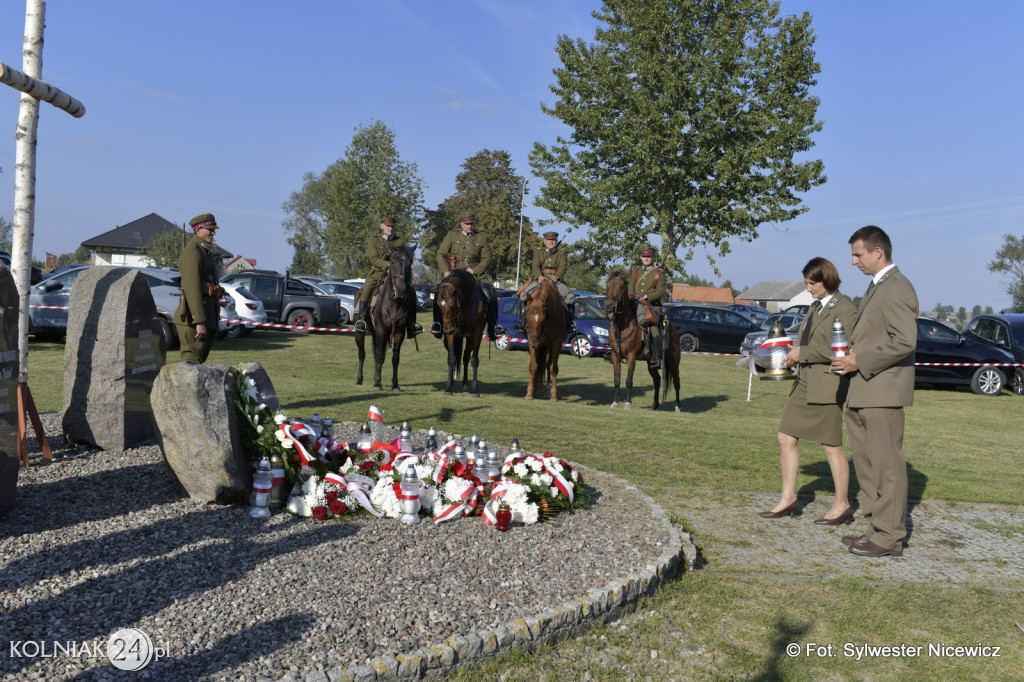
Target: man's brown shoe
column 871, row 549
column 851, row 540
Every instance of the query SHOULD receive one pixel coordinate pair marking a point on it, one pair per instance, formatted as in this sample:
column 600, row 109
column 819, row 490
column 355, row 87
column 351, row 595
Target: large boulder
column 9, row 463
column 194, row 406
column 114, row 351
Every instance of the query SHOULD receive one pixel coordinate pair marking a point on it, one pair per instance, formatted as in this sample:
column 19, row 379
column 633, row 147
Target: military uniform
column 462, row 249
column 649, row 281
column 378, row 253
column 550, row 263
column 199, row 294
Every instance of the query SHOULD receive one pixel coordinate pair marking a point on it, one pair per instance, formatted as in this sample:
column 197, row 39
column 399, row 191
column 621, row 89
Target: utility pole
column 522, row 204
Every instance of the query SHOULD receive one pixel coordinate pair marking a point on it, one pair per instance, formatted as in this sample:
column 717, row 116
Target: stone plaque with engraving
column 114, row 351
column 9, row 464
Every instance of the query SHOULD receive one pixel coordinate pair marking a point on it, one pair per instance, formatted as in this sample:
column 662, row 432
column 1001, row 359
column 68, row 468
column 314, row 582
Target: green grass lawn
column 708, row 624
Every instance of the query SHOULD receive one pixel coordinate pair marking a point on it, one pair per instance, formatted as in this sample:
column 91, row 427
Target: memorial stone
column 113, row 353
column 194, row 407
column 9, row 464
column 264, row 387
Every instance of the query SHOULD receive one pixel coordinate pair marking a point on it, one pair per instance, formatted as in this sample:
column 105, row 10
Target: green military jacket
column 378, row 251
column 470, row 250
column 547, row 262
column 196, row 265
column 649, row 281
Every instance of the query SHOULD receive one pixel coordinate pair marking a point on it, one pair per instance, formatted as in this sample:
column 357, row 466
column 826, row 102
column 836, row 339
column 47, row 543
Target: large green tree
column 685, row 119
column 165, row 249
column 331, row 216
column 1009, row 261
column 489, row 188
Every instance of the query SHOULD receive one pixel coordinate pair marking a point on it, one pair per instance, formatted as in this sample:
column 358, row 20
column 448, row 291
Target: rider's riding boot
column 521, row 324
column 657, row 352
column 361, row 316
column 414, row 326
column 435, row 328
column 570, row 323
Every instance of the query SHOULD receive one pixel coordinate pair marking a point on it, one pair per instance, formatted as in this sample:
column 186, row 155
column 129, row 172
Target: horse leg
column 616, row 374
column 553, row 353
column 656, row 377
column 379, row 349
column 532, row 383
column 630, row 366
column 453, row 362
column 473, row 355
column 361, row 352
column 397, row 338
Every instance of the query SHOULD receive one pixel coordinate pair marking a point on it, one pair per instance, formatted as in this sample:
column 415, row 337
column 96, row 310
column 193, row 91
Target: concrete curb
column 568, row 619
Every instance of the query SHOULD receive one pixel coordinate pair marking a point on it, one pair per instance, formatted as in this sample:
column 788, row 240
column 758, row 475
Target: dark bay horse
column 545, row 331
column 626, row 340
column 388, row 320
column 463, row 319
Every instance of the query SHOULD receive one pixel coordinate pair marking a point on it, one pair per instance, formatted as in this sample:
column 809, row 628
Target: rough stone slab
column 9, row 367
column 195, row 410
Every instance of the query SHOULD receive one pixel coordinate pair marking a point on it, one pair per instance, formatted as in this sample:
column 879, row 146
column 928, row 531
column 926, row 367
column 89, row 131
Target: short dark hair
column 873, row 238
column 822, row 270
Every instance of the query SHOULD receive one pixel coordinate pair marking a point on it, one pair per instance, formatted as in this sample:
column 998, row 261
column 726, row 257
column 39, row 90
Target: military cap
column 388, row 221
column 550, row 235
column 203, row 220
column 470, row 219
column 648, row 251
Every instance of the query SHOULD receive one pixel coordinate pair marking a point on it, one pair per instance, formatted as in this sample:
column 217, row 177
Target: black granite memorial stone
column 113, row 353
column 9, row 464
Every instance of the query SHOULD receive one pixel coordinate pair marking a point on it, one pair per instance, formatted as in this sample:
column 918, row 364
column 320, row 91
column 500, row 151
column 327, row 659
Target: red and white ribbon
column 357, row 488
column 374, row 415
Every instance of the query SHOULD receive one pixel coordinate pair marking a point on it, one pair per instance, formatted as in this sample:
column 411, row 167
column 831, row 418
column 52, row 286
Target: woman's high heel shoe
column 791, row 510
column 845, row 517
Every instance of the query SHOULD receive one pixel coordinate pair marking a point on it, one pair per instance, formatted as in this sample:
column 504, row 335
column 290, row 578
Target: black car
column 940, row 349
column 1005, row 331
column 35, row 276
column 706, row 327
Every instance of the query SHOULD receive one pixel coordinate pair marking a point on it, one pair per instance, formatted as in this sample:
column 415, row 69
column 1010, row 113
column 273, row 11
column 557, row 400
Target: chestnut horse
column 626, row 340
column 545, row 331
column 463, row 318
column 388, row 320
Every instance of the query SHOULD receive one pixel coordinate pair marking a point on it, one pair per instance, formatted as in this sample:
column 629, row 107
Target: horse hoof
column 628, row 405
column 378, row 388
column 448, row 393
column 677, row 409
column 614, row 405
column 396, row 389
column 529, row 397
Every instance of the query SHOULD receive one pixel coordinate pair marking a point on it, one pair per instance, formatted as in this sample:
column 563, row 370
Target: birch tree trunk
column 25, row 174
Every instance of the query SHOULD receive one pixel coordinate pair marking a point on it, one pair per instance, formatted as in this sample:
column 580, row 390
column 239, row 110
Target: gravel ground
column 101, row 541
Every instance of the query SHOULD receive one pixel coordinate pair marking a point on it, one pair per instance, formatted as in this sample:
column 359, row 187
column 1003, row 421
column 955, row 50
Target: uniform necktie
column 805, row 334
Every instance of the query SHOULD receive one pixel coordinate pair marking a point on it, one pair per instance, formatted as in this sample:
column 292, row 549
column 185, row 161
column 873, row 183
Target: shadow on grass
column 788, row 634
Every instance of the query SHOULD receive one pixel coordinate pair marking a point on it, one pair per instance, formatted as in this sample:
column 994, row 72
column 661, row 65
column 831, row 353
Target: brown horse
column 463, row 318
column 388, row 321
column 545, row 331
column 626, row 340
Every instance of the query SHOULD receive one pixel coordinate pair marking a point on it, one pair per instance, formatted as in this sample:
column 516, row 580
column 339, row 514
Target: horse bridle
column 619, row 302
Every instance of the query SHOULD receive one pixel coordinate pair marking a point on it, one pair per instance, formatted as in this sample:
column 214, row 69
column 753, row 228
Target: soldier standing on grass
column 647, row 285
column 198, row 314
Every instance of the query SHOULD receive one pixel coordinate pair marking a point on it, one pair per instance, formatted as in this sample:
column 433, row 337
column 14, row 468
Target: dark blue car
column 591, row 337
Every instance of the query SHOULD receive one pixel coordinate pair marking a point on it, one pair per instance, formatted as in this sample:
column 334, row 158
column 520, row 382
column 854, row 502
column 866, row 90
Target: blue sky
column 222, row 106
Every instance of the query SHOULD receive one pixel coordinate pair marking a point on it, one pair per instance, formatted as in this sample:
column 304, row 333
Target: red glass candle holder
column 504, row 516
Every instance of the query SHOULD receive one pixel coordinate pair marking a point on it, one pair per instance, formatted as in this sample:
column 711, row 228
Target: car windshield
column 585, row 310
column 245, row 293
column 1018, row 334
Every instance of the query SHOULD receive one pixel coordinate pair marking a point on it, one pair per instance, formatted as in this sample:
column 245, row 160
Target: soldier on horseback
column 468, row 249
column 647, row 288
column 378, row 253
column 549, row 262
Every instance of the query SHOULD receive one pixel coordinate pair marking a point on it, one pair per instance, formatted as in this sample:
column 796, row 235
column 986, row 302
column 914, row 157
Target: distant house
column 776, row 296
column 127, row 245
column 692, row 294
column 238, row 264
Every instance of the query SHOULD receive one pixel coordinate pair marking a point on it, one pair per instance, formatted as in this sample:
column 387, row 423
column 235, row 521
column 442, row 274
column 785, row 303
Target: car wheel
column 169, row 333
column 581, row 346
column 987, row 381
column 300, row 318
column 1017, row 382
column 502, row 343
column 688, row 343
column 343, row 317
column 235, row 332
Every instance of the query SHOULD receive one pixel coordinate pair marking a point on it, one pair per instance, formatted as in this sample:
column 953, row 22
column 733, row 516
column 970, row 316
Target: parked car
column 309, row 279
column 938, row 343
column 754, row 312
column 591, row 337
column 288, row 301
column 247, row 307
column 344, row 292
column 1005, row 331
column 801, row 309
column 709, row 328
column 48, row 302
column 423, row 296
column 35, row 276
column 753, row 340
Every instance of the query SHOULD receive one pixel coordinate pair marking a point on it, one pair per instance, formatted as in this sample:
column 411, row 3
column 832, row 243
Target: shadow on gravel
column 216, row 548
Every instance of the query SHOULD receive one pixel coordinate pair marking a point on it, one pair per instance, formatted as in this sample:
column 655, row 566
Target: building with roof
column 693, row 294
column 127, row 244
column 776, row 296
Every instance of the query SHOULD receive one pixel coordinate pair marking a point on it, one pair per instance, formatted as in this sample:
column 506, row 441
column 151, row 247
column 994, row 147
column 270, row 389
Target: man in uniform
column 549, row 262
column 647, row 286
column 198, row 315
column 468, row 249
column 378, row 252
